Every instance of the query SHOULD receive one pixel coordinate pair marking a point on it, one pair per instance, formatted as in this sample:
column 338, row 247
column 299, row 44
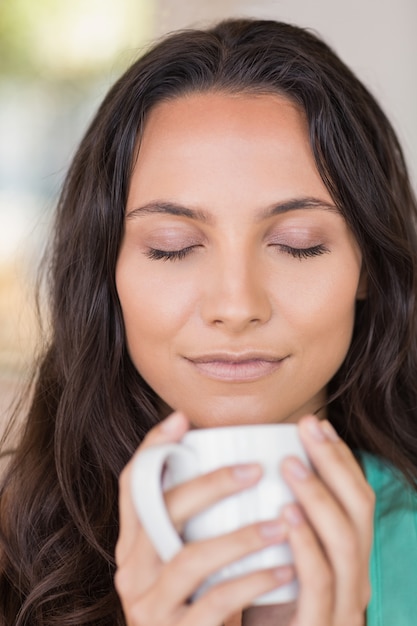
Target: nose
column 236, row 296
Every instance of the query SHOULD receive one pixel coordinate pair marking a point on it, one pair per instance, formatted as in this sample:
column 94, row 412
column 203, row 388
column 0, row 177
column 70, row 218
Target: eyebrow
column 172, row 208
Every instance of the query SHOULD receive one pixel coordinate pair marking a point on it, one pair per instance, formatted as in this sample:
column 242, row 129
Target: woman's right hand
column 154, row 593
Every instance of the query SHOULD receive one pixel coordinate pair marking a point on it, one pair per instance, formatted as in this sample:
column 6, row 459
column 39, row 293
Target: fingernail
column 314, row 428
column 329, row 431
column 297, row 469
column 247, row 473
column 284, row 573
column 293, row 515
column 274, row 529
column 171, row 425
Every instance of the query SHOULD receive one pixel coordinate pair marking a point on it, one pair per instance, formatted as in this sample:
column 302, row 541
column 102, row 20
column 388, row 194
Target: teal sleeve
column 393, row 566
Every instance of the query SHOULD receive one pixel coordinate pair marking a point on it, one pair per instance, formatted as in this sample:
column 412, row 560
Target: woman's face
column 237, row 276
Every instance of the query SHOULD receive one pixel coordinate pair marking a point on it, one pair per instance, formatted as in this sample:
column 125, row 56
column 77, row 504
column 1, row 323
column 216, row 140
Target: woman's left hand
column 330, row 532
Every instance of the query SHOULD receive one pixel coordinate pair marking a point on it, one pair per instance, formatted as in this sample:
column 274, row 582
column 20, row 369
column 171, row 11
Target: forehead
column 251, row 117
column 222, row 148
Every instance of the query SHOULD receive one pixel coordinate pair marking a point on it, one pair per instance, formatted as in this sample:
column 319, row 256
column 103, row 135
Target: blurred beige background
column 57, row 60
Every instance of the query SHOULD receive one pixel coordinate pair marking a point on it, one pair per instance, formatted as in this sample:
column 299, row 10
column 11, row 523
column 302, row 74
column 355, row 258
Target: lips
column 236, row 367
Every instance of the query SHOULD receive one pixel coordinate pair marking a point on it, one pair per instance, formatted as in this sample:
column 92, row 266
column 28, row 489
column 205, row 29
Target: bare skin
column 330, row 536
column 236, row 243
column 251, row 278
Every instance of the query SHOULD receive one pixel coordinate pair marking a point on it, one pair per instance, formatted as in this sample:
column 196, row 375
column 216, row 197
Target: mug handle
column 147, row 494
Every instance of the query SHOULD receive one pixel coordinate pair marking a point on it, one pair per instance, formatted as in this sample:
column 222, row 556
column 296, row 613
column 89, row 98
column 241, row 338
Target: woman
column 235, row 241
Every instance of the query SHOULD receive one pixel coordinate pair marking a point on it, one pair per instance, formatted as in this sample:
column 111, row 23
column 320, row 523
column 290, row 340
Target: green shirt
column 393, row 567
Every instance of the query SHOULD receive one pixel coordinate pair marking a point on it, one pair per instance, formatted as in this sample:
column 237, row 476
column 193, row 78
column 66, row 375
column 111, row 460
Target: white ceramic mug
column 200, row 452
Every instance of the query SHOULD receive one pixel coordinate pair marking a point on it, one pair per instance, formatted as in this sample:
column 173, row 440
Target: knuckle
column 118, row 551
column 316, row 574
column 153, row 437
column 322, row 581
column 370, row 498
column 124, row 478
column 139, row 614
column 248, row 539
column 157, row 434
column 367, row 494
column 185, row 563
column 222, row 478
column 213, row 480
column 218, row 600
column 366, row 593
column 348, row 546
column 320, row 496
column 356, row 619
column 227, row 475
column 366, row 502
column 122, row 583
column 346, row 542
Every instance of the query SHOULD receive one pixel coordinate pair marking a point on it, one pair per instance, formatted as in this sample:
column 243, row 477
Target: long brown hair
column 91, row 408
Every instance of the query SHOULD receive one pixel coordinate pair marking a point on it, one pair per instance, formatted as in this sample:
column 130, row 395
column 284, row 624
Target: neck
column 274, row 615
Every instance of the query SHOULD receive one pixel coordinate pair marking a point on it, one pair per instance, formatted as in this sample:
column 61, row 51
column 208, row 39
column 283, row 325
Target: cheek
column 330, row 322
column 154, row 310
column 321, row 310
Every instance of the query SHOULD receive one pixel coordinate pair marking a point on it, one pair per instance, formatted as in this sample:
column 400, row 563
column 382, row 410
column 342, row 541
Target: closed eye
column 303, row 253
column 169, row 255
column 177, row 255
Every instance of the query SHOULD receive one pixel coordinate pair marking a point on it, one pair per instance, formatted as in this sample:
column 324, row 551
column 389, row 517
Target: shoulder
column 390, row 486
column 393, row 566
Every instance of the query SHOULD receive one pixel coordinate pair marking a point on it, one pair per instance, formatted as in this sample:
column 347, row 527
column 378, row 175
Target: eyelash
column 178, row 255
column 304, row 253
column 168, row 255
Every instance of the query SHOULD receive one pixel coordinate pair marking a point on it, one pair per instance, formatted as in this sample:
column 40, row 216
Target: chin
column 230, row 413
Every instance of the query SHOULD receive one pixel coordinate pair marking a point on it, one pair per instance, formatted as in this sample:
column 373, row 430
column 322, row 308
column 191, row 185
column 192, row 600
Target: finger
column 217, row 604
column 173, row 428
column 316, row 597
column 142, row 587
column 194, row 496
column 189, row 500
column 334, row 529
column 139, row 569
column 338, row 510
column 169, row 430
column 181, row 577
column 222, row 601
column 339, row 470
